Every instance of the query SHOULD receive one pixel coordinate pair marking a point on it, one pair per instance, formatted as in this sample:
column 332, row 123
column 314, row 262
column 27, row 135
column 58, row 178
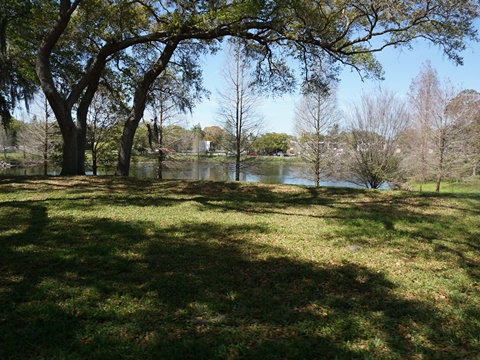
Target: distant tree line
column 431, row 136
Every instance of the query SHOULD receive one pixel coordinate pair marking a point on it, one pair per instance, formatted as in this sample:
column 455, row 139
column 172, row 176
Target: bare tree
column 103, row 116
column 316, row 116
column 465, row 107
column 41, row 136
column 164, row 103
column 169, row 99
column 423, row 95
column 238, row 106
column 375, row 123
column 436, row 129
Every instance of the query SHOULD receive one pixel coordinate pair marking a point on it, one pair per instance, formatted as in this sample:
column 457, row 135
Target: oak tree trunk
column 70, row 153
column 126, row 144
column 139, row 104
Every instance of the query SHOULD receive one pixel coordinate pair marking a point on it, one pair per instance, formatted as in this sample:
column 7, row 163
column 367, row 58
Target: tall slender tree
column 424, row 96
column 238, row 111
column 436, row 128
column 40, row 137
column 103, row 118
column 315, row 117
column 465, row 107
column 169, row 98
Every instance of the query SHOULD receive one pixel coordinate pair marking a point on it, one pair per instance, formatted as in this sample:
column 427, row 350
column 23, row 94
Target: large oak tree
column 347, row 31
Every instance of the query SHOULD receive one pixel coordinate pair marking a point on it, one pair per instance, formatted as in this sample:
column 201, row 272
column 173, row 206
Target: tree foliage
column 271, row 143
column 85, row 35
column 17, row 81
column 177, row 138
column 216, row 135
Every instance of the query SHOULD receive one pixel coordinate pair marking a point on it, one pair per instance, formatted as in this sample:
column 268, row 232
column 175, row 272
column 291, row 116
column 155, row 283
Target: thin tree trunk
column 317, row 138
column 439, row 174
column 317, row 159
column 45, row 154
column 81, row 136
column 440, row 162
column 160, row 165
column 237, row 165
column 94, row 160
column 161, row 154
column 238, row 150
column 81, row 147
column 82, row 113
column 439, row 180
column 45, row 139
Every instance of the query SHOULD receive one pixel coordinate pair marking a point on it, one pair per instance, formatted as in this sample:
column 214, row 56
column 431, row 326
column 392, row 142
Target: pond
column 268, row 172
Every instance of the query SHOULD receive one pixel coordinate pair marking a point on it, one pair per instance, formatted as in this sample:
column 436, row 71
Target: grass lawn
column 112, row 268
column 467, row 185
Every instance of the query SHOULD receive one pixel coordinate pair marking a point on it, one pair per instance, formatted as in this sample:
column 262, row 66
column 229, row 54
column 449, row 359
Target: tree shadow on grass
column 369, row 218
column 100, row 288
column 433, row 230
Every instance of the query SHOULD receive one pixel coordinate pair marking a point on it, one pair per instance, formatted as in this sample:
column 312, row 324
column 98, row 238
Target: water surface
column 268, row 172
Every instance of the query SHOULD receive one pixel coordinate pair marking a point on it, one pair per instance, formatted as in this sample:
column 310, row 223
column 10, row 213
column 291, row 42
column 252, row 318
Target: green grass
column 467, row 185
column 111, row 268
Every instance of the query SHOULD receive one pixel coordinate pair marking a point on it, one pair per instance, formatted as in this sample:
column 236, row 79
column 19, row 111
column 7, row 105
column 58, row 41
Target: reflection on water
column 270, row 173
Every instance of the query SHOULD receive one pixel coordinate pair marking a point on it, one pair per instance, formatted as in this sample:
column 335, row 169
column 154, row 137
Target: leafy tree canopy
column 270, row 143
column 18, row 79
column 85, row 35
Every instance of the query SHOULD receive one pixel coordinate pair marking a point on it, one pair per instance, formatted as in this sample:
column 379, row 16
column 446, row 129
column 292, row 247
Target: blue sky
column 400, row 67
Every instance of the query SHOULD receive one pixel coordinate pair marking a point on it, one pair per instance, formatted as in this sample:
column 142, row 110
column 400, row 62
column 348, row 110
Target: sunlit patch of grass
column 111, row 267
column 468, row 185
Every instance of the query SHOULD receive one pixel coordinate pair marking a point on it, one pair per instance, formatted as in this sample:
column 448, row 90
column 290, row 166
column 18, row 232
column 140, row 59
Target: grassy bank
column 221, row 158
column 127, row 268
column 467, row 185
